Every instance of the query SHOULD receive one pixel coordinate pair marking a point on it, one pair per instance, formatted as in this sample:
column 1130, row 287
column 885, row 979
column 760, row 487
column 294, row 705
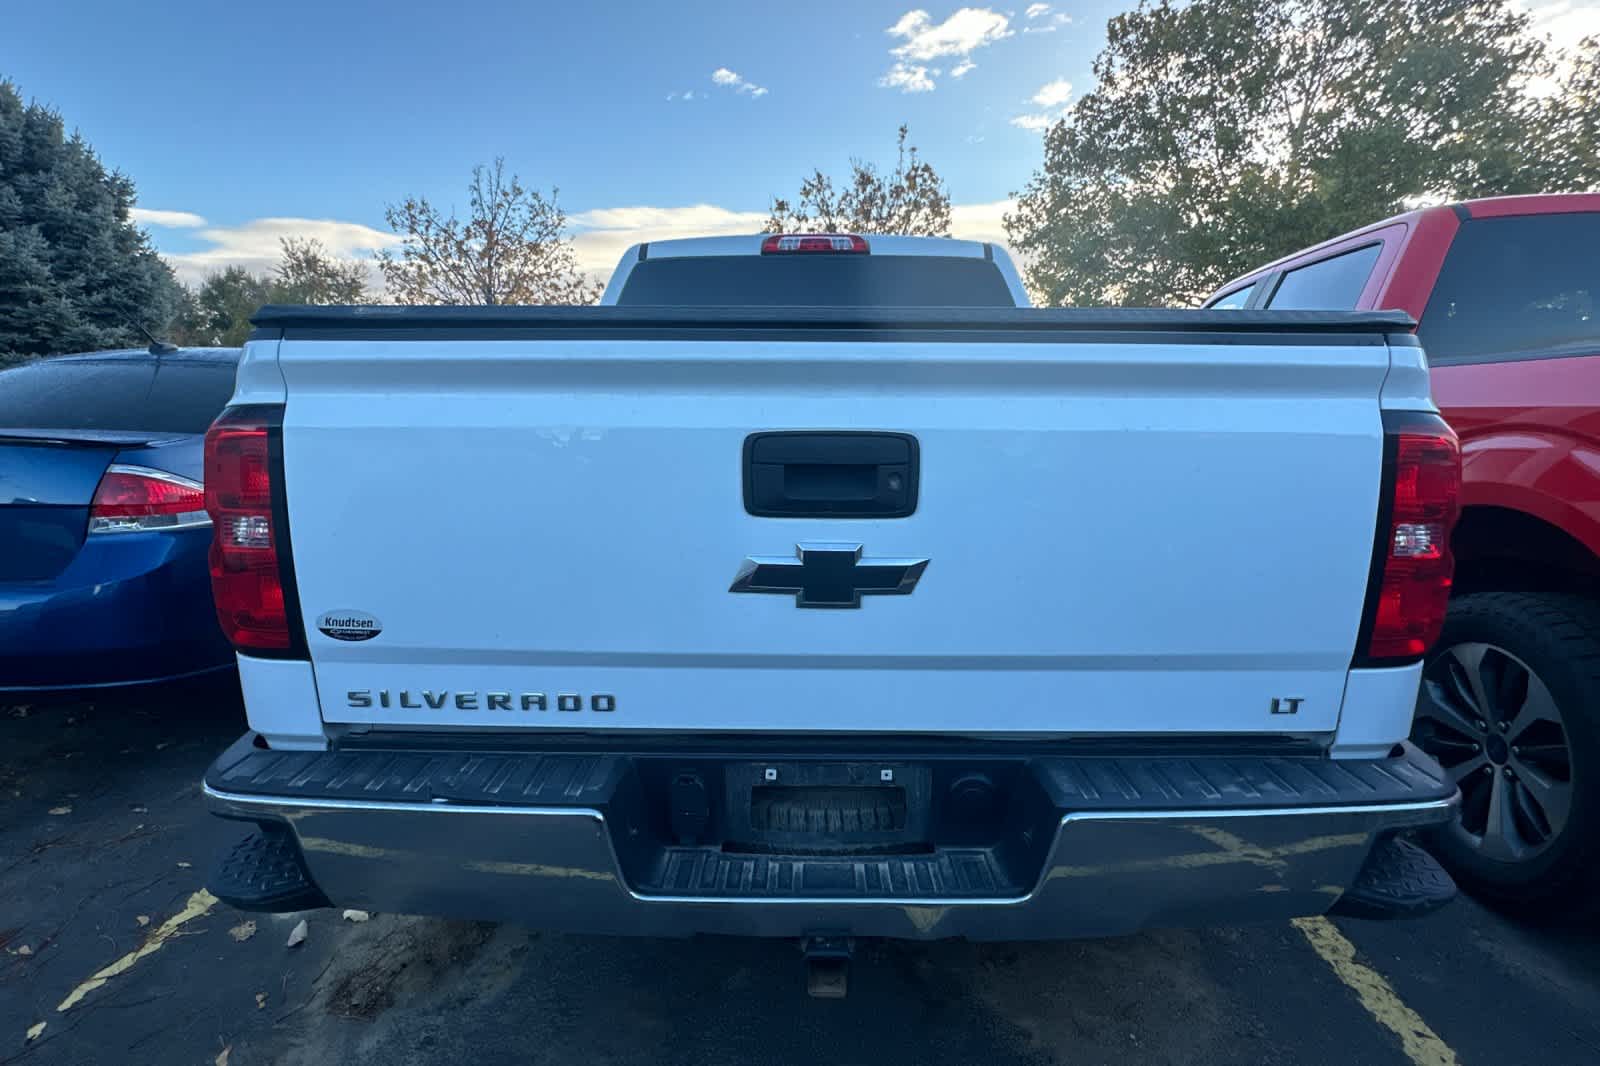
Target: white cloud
column 601, row 236
column 148, row 216
column 1051, row 99
column 962, row 68
column 1566, row 21
column 980, row 222
column 968, row 29
column 254, row 245
column 908, row 79
column 923, row 39
column 1037, row 12
column 1034, row 122
column 731, row 80
column 1054, row 93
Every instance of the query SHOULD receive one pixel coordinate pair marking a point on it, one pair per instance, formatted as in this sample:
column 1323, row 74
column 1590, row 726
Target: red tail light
column 134, row 499
column 813, row 243
column 247, row 574
column 1412, row 564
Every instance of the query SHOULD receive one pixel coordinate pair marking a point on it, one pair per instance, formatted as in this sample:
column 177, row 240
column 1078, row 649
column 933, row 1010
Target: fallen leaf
column 297, row 935
column 185, row 865
column 142, row 919
column 61, row 810
column 243, row 931
column 199, row 905
column 356, row 916
column 261, row 1001
column 35, row 1029
column 222, row 1056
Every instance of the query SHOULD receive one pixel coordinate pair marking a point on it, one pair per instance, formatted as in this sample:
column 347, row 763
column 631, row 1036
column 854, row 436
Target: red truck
column 1506, row 294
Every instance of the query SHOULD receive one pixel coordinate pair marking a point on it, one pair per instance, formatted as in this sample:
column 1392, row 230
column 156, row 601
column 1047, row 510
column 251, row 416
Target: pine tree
column 75, row 272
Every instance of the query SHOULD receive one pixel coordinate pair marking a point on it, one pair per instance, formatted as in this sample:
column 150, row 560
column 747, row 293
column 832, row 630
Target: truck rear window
column 1517, row 287
column 817, row 281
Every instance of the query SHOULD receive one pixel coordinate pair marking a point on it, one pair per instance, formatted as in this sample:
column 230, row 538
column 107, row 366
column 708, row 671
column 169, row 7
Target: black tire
column 1544, row 859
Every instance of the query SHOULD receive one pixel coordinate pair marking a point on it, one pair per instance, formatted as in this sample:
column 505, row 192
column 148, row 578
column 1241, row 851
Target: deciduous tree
column 910, row 199
column 309, row 274
column 1224, row 133
column 219, row 309
column 512, row 248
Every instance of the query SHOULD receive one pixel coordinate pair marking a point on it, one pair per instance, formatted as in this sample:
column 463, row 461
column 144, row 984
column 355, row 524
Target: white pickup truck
column 781, row 597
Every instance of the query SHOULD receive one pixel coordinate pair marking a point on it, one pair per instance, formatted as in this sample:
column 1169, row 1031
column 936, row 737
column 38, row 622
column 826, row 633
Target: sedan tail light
column 135, row 499
column 251, row 579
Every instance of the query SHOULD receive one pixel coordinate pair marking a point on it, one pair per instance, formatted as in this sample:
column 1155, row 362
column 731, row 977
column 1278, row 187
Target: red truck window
column 1517, row 288
column 1235, row 300
column 1332, row 284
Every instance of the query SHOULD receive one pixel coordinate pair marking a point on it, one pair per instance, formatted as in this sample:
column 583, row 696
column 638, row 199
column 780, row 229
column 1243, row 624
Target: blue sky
column 241, row 123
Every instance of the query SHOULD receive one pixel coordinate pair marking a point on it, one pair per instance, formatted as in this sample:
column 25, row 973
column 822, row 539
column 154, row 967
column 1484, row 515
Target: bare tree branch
column 911, row 199
column 512, row 248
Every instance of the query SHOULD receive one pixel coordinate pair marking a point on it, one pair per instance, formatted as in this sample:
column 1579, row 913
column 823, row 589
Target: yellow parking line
column 1421, row 1044
column 199, row 905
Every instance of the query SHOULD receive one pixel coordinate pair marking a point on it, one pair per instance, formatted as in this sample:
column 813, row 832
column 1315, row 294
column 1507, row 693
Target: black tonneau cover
column 1140, row 325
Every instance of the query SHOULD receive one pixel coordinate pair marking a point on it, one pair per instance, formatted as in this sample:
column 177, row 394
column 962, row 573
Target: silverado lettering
column 600, row 702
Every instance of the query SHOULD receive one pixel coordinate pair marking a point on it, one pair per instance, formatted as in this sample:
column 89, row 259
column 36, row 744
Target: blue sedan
column 103, row 531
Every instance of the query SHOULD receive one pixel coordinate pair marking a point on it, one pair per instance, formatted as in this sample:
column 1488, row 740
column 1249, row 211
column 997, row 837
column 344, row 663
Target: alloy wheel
column 1497, row 731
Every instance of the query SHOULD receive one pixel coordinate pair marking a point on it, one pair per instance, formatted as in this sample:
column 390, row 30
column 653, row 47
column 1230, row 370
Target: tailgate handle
column 830, row 475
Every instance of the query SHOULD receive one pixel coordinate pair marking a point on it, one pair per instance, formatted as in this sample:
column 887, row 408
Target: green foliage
column 309, row 274
column 911, row 199
column 1572, row 118
column 512, row 248
column 1222, row 134
column 219, row 310
column 75, row 272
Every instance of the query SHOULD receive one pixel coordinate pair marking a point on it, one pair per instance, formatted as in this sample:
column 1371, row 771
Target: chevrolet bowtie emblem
column 828, row 575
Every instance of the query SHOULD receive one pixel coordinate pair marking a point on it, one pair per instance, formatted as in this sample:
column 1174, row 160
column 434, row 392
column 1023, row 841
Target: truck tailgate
column 1123, row 532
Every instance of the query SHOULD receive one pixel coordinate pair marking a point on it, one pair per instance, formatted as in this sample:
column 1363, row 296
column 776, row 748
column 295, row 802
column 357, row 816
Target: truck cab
column 816, row 270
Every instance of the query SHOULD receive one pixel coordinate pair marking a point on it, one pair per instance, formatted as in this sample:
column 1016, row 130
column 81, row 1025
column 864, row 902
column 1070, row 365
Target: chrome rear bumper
column 1107, row 864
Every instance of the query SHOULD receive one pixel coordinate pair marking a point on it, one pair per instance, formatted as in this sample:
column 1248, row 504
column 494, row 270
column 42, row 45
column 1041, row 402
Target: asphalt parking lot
column 113, row 953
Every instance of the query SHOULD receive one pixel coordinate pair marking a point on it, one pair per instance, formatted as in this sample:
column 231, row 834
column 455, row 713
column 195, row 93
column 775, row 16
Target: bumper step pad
column 1399, row 880
column 952, row 873
column 264, row 872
